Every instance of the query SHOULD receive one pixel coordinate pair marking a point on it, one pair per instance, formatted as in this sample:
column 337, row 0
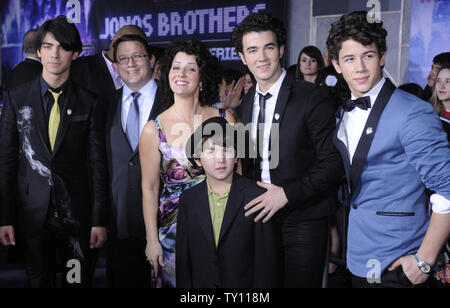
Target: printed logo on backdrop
column 374, row 15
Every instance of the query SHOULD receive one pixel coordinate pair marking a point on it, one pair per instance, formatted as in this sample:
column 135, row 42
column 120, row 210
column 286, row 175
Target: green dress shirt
column 217, row 205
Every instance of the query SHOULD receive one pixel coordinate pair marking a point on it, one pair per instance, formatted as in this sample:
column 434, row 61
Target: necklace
column 183, row 117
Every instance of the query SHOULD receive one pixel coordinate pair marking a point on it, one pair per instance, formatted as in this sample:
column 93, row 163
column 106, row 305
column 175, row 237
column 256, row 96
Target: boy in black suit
column 216, row 245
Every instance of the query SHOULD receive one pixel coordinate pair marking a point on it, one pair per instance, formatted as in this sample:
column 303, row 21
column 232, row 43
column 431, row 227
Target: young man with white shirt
column 293, row 124
column 393, row 146
column 131, row 108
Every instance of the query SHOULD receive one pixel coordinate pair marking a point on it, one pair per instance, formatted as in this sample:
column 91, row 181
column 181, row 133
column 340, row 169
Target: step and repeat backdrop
column 162, row 20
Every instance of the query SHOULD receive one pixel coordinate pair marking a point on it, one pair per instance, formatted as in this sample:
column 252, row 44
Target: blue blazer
column 402, row 150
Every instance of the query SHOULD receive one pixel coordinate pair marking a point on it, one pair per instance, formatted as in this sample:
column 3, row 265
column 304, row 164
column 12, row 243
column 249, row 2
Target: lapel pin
column 69, row 111
column 277, row 116
column 369, row 131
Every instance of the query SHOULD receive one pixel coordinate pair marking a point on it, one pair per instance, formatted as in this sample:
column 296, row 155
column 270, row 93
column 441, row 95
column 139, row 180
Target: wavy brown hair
column 434, row 100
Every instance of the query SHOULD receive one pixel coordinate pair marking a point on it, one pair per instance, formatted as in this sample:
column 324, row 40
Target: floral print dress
column 177, row 175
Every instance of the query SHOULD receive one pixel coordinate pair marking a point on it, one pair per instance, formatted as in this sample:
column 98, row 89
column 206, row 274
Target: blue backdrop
column 430, row 35
column 162, row 20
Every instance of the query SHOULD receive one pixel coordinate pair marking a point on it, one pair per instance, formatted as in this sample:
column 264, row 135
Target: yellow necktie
column 54, row 119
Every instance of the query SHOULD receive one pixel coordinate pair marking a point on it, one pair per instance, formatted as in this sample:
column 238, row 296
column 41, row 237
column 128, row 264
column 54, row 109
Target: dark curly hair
column 258, row 22
column 355, row 26
column 209, row 67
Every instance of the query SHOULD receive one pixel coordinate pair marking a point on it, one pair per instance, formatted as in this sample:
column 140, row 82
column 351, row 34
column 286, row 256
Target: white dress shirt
column 118, row 82
column 354, row 121
column 268, row 116
column 145, row 101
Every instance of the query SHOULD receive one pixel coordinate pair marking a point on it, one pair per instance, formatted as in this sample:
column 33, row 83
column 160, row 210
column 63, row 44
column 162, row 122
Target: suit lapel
column 234, row 203
column 282, row 100
column 342, row 148
column 362, row 149
column 66, row 115
column 39, row 117
column 280, row 106
column 247, row 106
column 203, row 213
column 118, row 136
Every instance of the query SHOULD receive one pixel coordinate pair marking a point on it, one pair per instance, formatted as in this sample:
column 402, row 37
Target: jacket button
column 355, row 206
column 131, row 164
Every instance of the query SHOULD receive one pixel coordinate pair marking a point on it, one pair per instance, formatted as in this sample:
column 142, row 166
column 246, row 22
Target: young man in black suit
column 292, row 123
column 53, row 165
column 216, row 245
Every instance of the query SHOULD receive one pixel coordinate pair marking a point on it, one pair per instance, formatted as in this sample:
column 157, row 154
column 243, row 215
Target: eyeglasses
column 136, row 58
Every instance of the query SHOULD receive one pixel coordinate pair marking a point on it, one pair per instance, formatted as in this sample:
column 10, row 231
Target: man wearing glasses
column 132, row 107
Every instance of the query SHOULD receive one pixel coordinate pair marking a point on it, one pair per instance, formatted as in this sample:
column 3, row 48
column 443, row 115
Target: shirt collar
column 148, row 91
column 45, row 86
column 118, row 83
column 373, row 93
column 275, row 88
column 32, row 58
column 212, row 192
column 108, row 62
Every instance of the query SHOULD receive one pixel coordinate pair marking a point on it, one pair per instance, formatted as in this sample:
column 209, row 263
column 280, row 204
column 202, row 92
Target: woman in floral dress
column 189, row 83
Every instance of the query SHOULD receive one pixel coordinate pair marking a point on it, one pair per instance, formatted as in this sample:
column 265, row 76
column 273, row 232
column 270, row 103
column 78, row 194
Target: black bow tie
column 362, row 102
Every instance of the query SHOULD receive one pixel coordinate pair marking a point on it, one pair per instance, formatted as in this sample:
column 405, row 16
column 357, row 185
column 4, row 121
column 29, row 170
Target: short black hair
column 258, row 22
column 356, row 26
column 209, row 67
column 412, row 88
column 442, row 58
column 223, row 134
column 65, row 32
column 131, row 38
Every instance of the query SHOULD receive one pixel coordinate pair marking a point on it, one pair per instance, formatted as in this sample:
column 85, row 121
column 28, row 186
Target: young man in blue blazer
column 393, row 147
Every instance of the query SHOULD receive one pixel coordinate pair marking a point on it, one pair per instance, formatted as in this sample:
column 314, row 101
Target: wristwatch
column 422, row 265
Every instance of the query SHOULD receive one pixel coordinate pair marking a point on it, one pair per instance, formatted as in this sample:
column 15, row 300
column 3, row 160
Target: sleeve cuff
column 439, row 204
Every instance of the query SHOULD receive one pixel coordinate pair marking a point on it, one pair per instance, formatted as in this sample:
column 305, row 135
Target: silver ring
column 265, row 212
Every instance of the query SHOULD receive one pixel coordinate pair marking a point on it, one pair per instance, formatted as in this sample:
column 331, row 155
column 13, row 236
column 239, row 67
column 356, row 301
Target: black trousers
column 126, row 263
column 389, row 279
column 304, row 248
column 48, row 253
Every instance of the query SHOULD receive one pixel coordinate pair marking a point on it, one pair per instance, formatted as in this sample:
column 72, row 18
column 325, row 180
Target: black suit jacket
column 125, row 173
column 24, row 72
column 74, row 174
column 309, row 166
column 248, row 253
column 91, row 72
